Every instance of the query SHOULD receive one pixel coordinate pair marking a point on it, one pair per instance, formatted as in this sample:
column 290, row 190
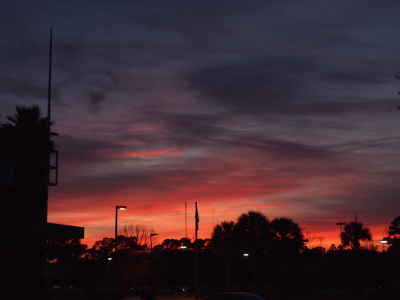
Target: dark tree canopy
column 353, row 233
column 394, row 228
column 223, row 244
column 222, row 238
column 287, row 235
column 27, row 129
column 26, row 142
column 394, row 235
column 253, row 231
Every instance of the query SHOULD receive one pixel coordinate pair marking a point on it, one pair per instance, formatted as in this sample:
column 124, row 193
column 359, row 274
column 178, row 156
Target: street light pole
column 117, row 208
column 151, row 261
column 340, row 229
column 151, row 241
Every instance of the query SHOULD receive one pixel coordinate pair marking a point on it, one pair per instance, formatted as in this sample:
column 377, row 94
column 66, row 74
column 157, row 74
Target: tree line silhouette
column 249, row 254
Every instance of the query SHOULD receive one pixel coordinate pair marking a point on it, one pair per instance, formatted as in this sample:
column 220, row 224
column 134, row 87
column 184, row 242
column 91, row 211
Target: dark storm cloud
column 95, row 100
column 190, row 126
column 21, row 88
column 242, row 87
column 251, row 88
column 200, row 18
column 287, row 150
column 282, row 85
column 70, row 55
column 22, row 53
column 79, row 151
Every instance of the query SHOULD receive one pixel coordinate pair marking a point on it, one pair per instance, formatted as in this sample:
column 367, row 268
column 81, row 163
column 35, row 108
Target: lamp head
column 121, row 207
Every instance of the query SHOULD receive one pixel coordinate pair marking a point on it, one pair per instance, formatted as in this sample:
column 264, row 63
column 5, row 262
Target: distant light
column 245, row 254
column 121, row 207
column 183, row 247
column 110, row 258
column 384, row 242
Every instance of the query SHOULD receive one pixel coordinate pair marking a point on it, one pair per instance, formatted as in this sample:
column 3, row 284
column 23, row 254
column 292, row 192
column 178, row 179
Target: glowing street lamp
column 117, row 208
column 384, row 241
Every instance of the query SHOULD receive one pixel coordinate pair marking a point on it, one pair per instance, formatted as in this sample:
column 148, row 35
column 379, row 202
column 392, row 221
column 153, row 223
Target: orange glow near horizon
column 172, row 225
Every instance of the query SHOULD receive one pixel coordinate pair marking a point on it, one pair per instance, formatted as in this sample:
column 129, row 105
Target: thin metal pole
column 196, row 253
column 116, row 229
column 49, row 83
column 117, row 207
column 115, row 249
column 47, row 175
column 151, row 264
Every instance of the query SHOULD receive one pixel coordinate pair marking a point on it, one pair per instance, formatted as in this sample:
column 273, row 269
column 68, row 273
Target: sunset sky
column 284, row 107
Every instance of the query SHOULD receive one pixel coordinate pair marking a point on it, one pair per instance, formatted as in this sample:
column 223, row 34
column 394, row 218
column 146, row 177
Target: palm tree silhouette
column 222, row 243
column 287, row 234
column 353, row 233
column 253, row 235
column 287, row 239
column 27, row 144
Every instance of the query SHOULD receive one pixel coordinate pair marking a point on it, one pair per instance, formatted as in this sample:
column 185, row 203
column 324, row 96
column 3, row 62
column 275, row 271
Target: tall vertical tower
column 25, row 151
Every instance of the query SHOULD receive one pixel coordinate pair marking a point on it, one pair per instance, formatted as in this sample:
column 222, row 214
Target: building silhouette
column 26, row 151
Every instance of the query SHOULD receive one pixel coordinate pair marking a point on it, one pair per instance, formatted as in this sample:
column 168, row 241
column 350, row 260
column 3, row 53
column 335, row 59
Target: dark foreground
column 274, row 295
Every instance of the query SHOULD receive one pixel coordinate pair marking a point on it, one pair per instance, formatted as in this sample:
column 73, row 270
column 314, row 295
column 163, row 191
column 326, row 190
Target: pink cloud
column 153, row 153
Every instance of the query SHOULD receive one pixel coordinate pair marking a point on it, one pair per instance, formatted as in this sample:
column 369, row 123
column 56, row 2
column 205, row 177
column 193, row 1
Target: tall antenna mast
column 49, row 83
column 49, row 166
